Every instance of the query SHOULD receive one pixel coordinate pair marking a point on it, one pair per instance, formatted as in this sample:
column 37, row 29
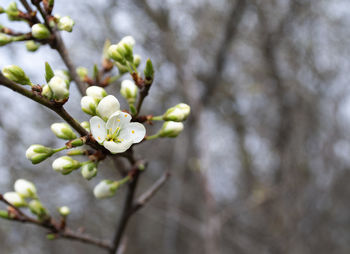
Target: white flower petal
column 107, row 106
column 117, row 147
column 119, row 119
column 98, row 129
column 134, row 131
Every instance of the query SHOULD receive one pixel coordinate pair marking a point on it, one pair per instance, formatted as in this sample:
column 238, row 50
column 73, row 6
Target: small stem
column 157, row 118
column 59, row 149
column 152, row 137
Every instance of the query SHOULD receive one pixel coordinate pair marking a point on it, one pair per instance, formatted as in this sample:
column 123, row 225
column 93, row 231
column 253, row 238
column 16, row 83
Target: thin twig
column 146, row 196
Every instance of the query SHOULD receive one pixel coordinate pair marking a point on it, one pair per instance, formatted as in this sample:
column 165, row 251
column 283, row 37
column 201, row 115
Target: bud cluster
column 90, row 102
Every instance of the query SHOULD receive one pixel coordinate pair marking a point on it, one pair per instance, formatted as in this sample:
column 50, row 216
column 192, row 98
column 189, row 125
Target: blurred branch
column 54, row 227
column 145, row 197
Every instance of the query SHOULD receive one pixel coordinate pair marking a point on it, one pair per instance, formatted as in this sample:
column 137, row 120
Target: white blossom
column 118, row 134
column 25, row 188
column 105, row 189
column 96, row 92
column 59, row 88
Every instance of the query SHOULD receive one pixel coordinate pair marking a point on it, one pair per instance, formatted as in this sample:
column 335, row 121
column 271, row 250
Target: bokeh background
column 263, row 165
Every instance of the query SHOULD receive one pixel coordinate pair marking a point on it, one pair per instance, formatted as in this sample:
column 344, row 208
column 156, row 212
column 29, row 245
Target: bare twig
column 146, row 196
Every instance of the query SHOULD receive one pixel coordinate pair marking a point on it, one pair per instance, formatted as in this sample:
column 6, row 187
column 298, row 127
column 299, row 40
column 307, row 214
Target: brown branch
column 55, row 228
column 145, row 197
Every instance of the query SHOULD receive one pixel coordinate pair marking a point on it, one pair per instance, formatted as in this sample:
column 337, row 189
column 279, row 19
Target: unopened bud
column 88, row 105
column 114, row 53
column 177, row 113
column 129, row 90
column 137, row 60
column 66, row 24
column 86, row 125
column 171, row 129
column 149, row 71
column 89, row 170
column 38, row 153
column 65, row 165
column 122, row 68
column 59, row 88
column 12, row 11
column 105, row 189
column 4, row 39
column 46, row 91
column 64, row 211
column 107, row 106
column 96, row 92
column 16, row 74
column 15, row 199
column 37, row 208
column 63, row 131
column 64, row 74
column 82, row 72
column 40, row 31
column 32, row 46
column 25, row 188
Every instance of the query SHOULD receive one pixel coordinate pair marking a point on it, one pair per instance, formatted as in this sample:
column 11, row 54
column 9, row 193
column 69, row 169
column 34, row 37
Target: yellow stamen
column 133, row 132
column 99, row 126
column 99, row 138
column 118, row 120
column 125, row 115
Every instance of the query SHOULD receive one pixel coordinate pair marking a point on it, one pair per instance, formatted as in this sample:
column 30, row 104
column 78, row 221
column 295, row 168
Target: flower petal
column 117, row 120
column 107, row 106
column 117, row 147
column 98, row 129
column 133, row 131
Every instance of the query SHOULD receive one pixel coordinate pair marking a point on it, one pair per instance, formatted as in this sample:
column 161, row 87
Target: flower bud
column 16, row 74
column 59, row 88
column 171, row 129
column 89, row 170
column 82, row 72
column 107, row 106
column 4, row 39
column 149, row 71
column 63, row 131
column 105, row 189
column 177, row 113
column 128, row 40
column 88, row 105
column 64, row 75
column 32, row 46
column 6, row 215
column 65, row 165
column 137, row 60
column 86, row 125
column 12, row 11
column 129, row 90
column 25, row 188
column 66, row 24
column 96, row 92
column 38, row 153
column 37, row 208
column 15, row 199
column 113, row 53
column 64, row 211
column 46, row 91
column 121, row 68
column 40, row 31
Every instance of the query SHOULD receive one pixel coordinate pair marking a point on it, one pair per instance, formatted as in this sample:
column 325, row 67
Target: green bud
column 40, row 31
column 4, row 39
column 66, row 24
column 50, row 236
column 12, row 12
column 113, row 53
column 171, row 129
column 76, row 152
column 149, row 71
column 63, row 131
column 32, row 46
column 86, row 125
column 46, row 92
column 64, row 211
column 16, row 74
column 65, row 165
column 89, row 170
column 129, row 90
column 177, row 113
column 82, row 72
column 38, row 153
column 77, row 142
column 137, row 60
column 5, row 215
column 38, row 209
column 88, row 105
column 15, row 199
